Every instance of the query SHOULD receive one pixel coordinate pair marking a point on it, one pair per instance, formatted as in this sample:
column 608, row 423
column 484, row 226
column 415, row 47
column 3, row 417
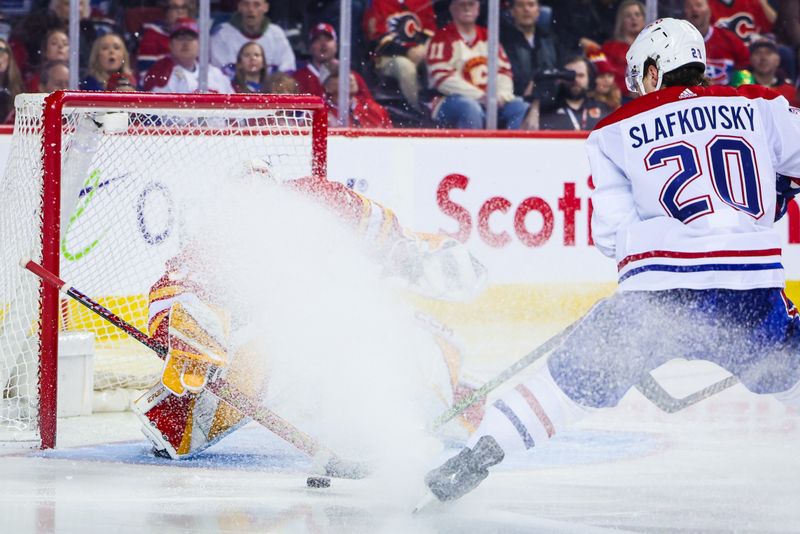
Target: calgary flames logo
column 476, row 71
column 742, row 24
column 406, row 25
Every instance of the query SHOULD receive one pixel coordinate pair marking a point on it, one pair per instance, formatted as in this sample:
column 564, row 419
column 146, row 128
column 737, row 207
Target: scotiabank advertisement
column 519, row 201
column 521, row 204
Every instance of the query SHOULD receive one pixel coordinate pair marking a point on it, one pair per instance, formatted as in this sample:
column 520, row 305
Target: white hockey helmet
column 671, row 43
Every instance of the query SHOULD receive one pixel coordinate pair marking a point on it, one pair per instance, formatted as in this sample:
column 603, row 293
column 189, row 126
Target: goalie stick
column 332, row 464
column 649, row 386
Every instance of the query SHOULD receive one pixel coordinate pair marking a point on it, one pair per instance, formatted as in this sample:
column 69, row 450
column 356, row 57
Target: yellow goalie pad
column 197, row 346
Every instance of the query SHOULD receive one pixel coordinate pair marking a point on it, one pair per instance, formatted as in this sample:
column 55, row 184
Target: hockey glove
column 441, row 267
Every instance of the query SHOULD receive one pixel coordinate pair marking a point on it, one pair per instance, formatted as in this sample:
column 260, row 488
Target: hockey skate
column 462, row 473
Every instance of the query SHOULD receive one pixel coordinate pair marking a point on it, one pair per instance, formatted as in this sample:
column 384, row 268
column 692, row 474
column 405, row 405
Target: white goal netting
column 129, row 164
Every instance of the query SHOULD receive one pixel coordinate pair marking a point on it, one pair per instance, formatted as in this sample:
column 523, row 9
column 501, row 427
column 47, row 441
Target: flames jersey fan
column 457, row 66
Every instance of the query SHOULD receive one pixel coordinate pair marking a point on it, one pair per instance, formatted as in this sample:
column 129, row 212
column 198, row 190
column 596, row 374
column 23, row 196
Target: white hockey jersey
column 227, row 40
column 685, row 187
column 183, row 80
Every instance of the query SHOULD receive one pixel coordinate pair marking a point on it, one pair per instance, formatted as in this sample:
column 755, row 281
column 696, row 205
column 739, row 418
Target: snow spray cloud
column 343, row 358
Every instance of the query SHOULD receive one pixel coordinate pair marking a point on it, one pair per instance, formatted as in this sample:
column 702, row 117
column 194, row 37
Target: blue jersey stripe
column 509, row 413
column 701, row 268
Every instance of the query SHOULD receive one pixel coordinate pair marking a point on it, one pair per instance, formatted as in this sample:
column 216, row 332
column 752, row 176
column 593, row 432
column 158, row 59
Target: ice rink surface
column 729, row 464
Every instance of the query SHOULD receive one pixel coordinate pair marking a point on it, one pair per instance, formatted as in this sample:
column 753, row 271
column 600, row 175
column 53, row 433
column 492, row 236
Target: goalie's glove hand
column 440, row 267
column 198, row 347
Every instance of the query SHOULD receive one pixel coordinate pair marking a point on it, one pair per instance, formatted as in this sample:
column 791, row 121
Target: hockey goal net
column 92, row 190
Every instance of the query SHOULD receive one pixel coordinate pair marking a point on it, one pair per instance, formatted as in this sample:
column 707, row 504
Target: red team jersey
column 615, row 52
column 397, row 24
column 724, row 53
column 309, row 81
column 745, row 18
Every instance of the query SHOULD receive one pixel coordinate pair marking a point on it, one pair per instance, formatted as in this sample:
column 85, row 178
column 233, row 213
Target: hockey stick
column 655, row 393
column 225, row 391
column 649, row 386
column 512, row 370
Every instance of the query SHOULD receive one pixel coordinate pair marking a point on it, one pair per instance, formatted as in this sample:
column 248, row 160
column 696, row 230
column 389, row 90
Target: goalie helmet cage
column 109, row 226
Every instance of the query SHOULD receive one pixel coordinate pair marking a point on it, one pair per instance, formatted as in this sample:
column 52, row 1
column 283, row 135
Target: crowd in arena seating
column 414, row 63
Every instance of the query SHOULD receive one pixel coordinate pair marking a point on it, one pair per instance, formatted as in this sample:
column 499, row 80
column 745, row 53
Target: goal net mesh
column 123, row 187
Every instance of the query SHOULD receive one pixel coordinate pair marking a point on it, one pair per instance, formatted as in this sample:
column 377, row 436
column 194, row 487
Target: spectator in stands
column 725, row 53
column 764, row 65
column 54, row 76
column 365, row 112
column 154, row 43
column 108, row 56
column 787, row 25
column 583, row 24
column 251, row 73
column 576, row 110
column 606, row 89
column 250, row 23
column 323, row 49
column 530, row 52
column 121, row 82
column 281, row 83
column 456, row 60
column 748, row 19
column 398, row 31
column 179, row 72
column 30, row 30
column 55, row 47
column 629, row 22
column 751, row 20
column 10, row 83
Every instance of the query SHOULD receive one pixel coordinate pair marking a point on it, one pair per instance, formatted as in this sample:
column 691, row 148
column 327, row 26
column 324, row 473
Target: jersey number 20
column 740, row 190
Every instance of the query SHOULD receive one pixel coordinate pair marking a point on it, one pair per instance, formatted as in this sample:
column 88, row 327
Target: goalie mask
column 671, row 43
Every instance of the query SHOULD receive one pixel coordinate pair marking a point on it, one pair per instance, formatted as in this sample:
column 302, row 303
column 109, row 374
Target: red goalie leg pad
column 185, row 425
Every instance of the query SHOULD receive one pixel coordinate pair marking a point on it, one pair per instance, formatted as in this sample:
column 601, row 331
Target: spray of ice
column 345, row 360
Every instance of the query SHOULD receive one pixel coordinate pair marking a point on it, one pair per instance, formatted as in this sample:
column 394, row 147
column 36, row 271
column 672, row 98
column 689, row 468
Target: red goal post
column 168, row 142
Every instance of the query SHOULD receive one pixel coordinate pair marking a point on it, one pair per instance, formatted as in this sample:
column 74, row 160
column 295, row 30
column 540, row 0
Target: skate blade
column 425, row 502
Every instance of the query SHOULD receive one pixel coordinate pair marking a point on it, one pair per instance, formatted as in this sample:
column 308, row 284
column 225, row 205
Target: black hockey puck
column 318, row 482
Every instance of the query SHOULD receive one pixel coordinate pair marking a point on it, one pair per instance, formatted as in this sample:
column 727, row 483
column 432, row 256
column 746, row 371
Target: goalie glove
column 197, row 347
column 438, row 267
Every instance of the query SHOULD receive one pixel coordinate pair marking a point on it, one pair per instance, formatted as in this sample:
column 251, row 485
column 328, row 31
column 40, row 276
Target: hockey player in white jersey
column 685, row 201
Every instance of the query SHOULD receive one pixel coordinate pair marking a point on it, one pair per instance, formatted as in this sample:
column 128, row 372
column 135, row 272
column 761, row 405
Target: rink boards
column 519, row 200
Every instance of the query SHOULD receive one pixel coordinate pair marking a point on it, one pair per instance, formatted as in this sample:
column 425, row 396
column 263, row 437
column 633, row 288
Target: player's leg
column 760, row 343
column 181, row 426
column 444, row 373
column 603, row 357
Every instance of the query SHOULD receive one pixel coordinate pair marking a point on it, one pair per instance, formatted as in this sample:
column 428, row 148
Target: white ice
column 729, row 464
